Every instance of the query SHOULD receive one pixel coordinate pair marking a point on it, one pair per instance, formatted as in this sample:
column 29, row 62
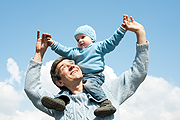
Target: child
column 89, row 55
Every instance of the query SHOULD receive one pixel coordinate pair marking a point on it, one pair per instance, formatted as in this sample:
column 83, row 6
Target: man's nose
column 71, row 67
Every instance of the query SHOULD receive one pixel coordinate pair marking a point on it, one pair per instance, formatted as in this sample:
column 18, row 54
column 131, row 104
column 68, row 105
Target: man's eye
column 62, row 67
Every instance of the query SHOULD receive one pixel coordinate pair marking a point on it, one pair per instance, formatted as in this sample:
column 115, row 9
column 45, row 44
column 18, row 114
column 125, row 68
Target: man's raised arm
column 41, row 46
column 33, row 86
column 126, row 84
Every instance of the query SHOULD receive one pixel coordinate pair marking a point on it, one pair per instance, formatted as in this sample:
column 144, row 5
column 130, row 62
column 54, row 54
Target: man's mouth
column 74, row 71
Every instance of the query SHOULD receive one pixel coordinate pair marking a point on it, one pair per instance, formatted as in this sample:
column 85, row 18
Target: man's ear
column 59, row 83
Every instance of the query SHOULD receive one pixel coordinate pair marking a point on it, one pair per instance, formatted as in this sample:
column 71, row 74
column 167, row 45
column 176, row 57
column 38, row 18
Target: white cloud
column 109, row 73
column 46, row 78
column 155, row 99
column 27, row 115
column 13, row 69
column 10, row 98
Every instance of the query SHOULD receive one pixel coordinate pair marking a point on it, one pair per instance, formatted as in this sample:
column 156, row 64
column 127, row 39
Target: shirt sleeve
column 126, row 84
column 33, row 87
column 109, row 44
column 62, row 50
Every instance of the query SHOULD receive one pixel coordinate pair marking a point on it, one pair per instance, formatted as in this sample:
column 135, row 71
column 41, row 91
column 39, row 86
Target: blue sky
column 21, row 19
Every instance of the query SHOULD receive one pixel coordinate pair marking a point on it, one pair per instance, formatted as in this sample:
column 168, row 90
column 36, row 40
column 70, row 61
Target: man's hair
column 55, row 72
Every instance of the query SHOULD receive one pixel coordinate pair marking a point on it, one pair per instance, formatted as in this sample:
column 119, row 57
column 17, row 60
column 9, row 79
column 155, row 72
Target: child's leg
column 92, row 84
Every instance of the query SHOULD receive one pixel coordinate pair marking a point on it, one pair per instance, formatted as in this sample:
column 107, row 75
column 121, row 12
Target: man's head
column 65, row 73
column 85, row 35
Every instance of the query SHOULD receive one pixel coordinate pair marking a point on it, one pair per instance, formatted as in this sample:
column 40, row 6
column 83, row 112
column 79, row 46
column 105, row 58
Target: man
column 79, row 105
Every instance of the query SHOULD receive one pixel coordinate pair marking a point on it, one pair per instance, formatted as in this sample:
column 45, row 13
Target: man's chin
column 79, row 78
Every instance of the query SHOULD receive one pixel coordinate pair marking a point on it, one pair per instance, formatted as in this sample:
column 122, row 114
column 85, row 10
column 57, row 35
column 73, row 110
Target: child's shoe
column 106, row 108
column 53, row 103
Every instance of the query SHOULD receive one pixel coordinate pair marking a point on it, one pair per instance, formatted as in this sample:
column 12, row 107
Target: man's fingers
column 43, row 36
column 132, row 19
column 38, row 34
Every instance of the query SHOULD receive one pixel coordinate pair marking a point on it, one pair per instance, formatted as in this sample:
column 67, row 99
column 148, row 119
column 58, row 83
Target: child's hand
column 131, row 25
column 49, row 39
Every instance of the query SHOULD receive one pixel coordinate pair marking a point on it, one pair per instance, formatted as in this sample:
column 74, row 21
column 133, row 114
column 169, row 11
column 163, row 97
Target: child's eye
column 77, row 40
column 83, row 37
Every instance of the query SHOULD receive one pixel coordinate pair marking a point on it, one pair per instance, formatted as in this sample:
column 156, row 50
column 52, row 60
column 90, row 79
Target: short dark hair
column 55, row 73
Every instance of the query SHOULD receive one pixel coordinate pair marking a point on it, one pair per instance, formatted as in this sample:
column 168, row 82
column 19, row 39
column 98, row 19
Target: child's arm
column 109, row 44
column 59, row 49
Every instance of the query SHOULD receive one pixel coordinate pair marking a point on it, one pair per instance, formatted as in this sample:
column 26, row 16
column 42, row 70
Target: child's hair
column 87, row 30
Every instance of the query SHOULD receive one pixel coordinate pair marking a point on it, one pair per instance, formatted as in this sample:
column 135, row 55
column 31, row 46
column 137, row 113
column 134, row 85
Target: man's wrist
column 38, row 57
column 141, row 36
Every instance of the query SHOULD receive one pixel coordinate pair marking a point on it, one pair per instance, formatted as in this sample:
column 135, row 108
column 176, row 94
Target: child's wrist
column 122, row 29
column 52, row 44
column 121, row 26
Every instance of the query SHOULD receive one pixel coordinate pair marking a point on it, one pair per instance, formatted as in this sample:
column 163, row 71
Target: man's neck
column 76, row 89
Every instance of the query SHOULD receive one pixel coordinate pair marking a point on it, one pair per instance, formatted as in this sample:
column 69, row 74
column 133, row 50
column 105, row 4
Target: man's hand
column 135, row 27
column 41, row 46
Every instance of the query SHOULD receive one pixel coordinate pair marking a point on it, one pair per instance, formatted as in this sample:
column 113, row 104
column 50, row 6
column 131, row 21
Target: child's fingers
column 48, row 35
column 127, row 22
column 127, row 18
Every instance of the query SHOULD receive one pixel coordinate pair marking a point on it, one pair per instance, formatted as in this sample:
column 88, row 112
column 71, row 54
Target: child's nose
column 80, row 40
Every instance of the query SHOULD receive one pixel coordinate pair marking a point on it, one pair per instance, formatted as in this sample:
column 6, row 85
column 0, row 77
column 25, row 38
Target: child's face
column 83, row 41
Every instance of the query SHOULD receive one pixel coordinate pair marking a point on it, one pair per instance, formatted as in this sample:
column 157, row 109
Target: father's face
column 69, row 72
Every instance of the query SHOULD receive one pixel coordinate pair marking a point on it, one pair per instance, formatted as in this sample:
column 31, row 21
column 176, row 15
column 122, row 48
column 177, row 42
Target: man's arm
column 125, row 85
column 41, row 47
column 33, row 86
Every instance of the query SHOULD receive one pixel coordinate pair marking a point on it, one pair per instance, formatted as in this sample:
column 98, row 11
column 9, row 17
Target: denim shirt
column 81, row 105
